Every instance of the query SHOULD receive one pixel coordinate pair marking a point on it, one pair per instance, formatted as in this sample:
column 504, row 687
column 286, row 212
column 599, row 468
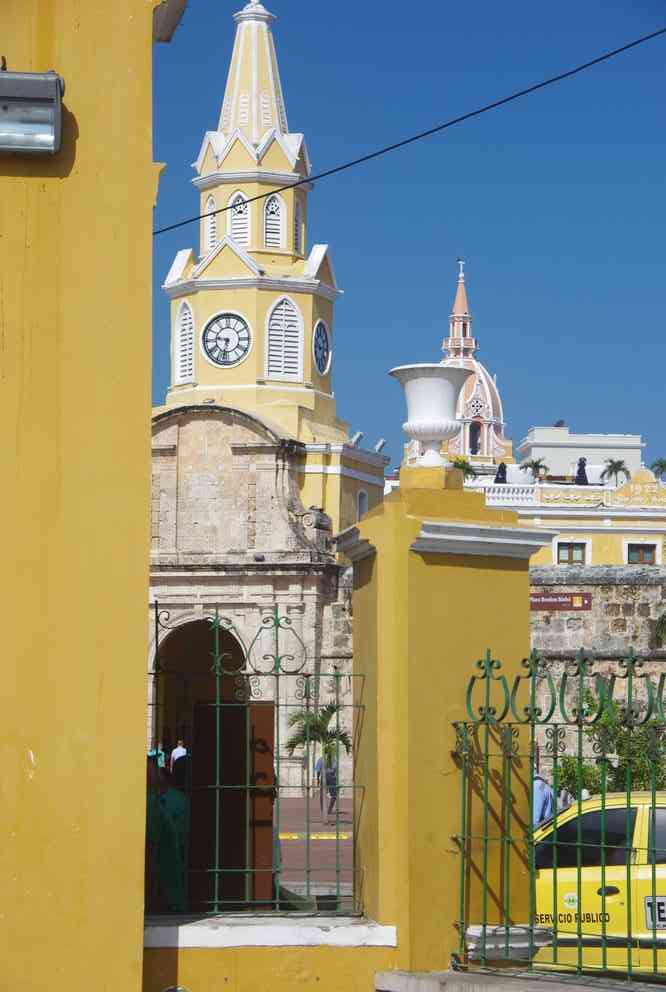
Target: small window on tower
column 239, row 220
column 464, row 328
column 273, row 223
column 298, row 228
column 210, row 225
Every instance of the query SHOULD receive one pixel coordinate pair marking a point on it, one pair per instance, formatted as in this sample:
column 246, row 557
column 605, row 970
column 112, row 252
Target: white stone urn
column 431, row 392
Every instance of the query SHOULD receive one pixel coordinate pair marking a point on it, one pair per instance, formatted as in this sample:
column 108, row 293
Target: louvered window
column 184, row 347
column 285, row 341
column 298, row 229
column 239, row 220
column 273, row 223
column 210, row 225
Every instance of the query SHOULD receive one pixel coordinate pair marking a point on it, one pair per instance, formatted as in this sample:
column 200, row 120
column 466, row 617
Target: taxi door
column 651, row 886
column 591, row 899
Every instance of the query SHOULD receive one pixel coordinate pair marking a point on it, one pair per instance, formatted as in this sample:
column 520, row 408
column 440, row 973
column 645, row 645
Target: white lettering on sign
column 660, row 922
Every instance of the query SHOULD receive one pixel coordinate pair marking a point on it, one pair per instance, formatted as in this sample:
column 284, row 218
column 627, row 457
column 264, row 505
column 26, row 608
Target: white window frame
column 210, row 226
column 652, row 541
column 563, row 539
column 282, row 376
column 359, row 494
column 230, row 214
column 283, row 221
column 178, row 378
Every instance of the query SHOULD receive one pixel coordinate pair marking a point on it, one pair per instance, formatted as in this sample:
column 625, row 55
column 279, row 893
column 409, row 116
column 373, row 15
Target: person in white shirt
column 178, row 752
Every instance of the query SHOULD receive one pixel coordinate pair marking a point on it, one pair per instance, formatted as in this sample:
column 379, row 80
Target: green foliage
column 640, row 750
column 313, row 727
column 536, row 466
column 567, row 776
column 465, row 467
column 659, row 467
column 615, row 467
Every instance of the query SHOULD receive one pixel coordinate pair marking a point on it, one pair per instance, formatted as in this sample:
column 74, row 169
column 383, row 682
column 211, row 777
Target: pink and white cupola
column 479, row 406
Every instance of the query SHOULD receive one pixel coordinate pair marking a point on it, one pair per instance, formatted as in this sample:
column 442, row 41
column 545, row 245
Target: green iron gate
column 581, row 888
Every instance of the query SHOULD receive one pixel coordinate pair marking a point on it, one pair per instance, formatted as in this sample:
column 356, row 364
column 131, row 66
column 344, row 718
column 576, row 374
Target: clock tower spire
column 252, row 306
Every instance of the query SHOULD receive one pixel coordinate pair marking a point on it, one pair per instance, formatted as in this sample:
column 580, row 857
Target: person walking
column 328, row 774
column 178, row 752
column 542, row 800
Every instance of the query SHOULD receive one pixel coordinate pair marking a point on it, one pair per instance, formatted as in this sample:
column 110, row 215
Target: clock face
column 226, row 339
column 321, row 347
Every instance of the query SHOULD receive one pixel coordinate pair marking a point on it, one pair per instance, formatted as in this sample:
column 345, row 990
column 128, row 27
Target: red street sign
column 572, row 601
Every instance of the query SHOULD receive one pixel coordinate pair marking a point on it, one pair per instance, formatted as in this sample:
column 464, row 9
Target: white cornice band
column 347, row 473
column 251, row 176
column 189, row 286
column 350, row 543
column 480, row 539
column 349, row 451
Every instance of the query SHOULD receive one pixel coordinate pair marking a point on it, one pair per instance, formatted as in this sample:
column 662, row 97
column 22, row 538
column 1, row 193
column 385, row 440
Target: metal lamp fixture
column 31, row 112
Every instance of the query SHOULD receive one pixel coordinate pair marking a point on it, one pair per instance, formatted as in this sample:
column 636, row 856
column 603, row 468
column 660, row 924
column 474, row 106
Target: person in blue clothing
column 328, row 772
column 542, row 800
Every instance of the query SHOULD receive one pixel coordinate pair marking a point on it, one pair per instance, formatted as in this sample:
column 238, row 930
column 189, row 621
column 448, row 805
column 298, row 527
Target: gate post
column 439, row 580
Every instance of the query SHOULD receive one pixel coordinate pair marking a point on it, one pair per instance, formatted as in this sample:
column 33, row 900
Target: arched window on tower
column 285, row 342
column 361, row 504
column 273, row 223
column 474, row 437
column 210, row 225
column 239, row 220
column 183, row 347
column 298, row 228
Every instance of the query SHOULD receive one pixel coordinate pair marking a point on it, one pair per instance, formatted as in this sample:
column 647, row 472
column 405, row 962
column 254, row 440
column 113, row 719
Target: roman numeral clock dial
column 226, row 339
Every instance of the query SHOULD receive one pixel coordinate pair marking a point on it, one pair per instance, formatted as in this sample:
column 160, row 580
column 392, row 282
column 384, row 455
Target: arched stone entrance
column 230, row 775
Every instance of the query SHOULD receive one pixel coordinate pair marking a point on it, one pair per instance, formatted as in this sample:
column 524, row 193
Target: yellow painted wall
column 607, row 548
column 75, row 265
column 420, row 623
column 270, row 969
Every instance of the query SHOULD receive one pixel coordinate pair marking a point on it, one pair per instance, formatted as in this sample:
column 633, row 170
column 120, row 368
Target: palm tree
column 615, row 467
column 466, row 467
column 659, row 467
column 537, row 466
column 313, row 727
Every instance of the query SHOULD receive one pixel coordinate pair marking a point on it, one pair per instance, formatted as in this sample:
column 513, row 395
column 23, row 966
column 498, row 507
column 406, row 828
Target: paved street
column 328, row 849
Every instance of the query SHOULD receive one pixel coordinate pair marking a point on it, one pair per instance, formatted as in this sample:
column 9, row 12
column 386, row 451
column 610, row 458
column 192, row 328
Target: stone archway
column 230, row 767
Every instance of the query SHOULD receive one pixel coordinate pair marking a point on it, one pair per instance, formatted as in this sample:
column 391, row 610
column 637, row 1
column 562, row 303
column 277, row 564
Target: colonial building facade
column 253, row 471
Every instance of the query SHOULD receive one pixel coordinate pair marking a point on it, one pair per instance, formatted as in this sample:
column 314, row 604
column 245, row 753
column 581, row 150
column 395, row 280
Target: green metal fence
column 250, row 785
column 562, row 835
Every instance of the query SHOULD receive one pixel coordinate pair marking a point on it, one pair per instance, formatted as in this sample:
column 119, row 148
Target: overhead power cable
column 426, row 134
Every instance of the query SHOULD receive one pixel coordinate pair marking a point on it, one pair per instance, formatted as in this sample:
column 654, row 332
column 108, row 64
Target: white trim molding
column 350, row 543
column 269, row 931
column 349, row 451
column 237, row 178
column 438, row 537
column 283, row 284
column 347, row 473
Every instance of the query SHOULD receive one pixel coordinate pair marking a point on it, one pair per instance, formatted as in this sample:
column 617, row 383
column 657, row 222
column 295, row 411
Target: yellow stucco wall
column 420, row 623
column 75, row 320
column 605, row 548
column 278, row 969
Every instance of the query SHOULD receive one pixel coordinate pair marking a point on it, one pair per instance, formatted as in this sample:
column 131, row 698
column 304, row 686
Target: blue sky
column 557, row 201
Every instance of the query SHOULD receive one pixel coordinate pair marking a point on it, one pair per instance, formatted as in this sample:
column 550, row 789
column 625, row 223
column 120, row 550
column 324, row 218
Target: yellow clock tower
column 252, row 310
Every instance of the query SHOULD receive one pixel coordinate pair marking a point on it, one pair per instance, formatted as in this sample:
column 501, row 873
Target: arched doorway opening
column 228, row 778
column 475, row 437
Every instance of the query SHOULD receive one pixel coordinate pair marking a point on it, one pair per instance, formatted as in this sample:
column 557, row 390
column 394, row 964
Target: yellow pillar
column 75, row 328
column 438, row 580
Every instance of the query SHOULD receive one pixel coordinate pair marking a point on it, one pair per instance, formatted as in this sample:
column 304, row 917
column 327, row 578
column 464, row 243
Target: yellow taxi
column 607, row 905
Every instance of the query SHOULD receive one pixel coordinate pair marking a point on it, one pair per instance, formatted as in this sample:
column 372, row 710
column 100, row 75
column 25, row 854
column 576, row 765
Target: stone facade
column 229, row 532
column 625, row 604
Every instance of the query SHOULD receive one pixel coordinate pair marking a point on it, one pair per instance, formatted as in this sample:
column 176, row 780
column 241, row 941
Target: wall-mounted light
column 31, row 112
